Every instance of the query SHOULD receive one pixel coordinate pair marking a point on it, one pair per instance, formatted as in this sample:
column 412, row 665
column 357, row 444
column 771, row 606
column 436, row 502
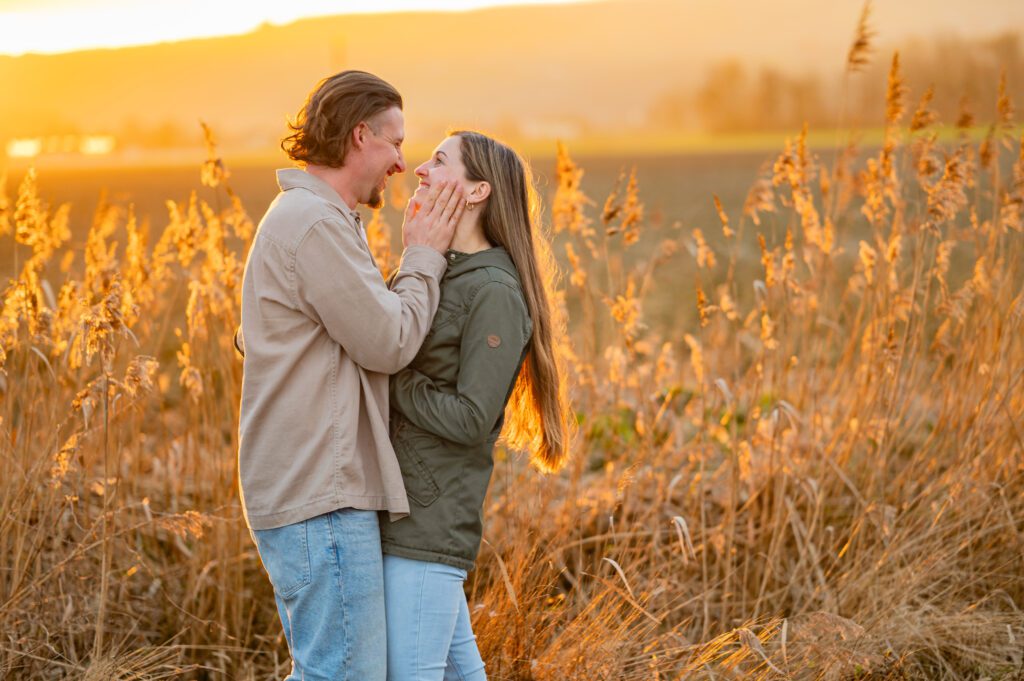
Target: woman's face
column 444, row 164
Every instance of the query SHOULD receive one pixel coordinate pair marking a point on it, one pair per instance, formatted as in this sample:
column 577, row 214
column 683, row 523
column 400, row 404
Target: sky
column 51, row 26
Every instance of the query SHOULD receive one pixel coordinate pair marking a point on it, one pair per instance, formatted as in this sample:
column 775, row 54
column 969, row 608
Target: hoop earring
column 470, row 206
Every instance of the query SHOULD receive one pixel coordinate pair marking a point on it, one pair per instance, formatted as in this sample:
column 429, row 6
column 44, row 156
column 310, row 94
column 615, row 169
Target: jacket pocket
column 419, row 481
column 285, row 555
column 447, row 313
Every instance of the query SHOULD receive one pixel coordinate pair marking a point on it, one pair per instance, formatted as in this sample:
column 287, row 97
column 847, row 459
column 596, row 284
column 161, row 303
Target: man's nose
column 400, row 164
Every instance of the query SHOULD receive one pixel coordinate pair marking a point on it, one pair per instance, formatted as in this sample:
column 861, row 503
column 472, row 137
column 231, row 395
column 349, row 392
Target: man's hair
column 322, row 130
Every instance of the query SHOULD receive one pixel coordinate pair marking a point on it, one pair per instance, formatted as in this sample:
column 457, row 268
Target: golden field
column 820, row 477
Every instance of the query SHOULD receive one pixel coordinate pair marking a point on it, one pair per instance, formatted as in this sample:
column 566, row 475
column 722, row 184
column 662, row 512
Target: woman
column 491, row 345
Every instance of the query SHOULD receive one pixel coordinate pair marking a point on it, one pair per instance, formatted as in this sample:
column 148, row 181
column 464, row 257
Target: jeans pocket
column 285, row 555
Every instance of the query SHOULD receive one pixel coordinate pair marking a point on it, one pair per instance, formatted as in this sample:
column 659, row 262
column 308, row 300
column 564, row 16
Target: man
column 321, row 333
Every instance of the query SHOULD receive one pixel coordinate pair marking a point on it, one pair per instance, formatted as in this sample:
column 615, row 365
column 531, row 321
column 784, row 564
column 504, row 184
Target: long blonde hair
column 538, row 414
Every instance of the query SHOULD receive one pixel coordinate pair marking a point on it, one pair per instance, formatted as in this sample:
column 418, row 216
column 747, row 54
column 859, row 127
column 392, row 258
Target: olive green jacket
column 447, row 408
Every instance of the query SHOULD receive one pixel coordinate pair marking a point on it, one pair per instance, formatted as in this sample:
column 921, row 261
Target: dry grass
column 823, row 478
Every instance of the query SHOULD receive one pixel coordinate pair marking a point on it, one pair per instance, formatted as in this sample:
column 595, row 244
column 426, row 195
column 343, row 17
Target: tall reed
column 818, row 474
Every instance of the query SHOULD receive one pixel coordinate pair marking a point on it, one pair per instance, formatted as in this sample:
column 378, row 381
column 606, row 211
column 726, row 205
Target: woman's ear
column 480, row 192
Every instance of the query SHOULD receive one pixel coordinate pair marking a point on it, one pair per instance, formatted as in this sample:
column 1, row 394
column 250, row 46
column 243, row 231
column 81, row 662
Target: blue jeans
column 328, row 583
column 430, row 637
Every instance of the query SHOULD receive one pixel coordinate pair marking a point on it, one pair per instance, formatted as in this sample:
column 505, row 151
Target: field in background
column 676, row 190
column 801, row 425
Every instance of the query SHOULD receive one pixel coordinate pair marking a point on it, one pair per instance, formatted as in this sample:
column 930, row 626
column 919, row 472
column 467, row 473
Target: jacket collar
column 460, row 263
column 292, row 178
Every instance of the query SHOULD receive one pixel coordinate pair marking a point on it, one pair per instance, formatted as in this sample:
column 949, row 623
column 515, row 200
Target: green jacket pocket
column 419, row 481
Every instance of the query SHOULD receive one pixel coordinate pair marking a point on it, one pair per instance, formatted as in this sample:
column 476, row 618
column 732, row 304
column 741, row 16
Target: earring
column 470, row 206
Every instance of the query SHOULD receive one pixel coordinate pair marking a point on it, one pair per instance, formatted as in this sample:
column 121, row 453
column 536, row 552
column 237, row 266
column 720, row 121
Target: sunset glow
column 88, row 145
column 51, row 26
column 24, row 148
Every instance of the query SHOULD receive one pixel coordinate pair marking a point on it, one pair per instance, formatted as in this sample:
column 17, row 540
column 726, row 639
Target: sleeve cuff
column 423, row 259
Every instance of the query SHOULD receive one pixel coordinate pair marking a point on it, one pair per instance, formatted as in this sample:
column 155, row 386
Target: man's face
column 382, row 154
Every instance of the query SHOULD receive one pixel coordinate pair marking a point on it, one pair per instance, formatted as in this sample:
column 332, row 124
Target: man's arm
column 340, row 285
column 381, row 327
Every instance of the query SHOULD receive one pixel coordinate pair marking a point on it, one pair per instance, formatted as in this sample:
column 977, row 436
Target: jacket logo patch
column 494, row 341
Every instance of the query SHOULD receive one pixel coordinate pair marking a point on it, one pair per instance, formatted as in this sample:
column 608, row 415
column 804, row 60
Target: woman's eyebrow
column 440, row 153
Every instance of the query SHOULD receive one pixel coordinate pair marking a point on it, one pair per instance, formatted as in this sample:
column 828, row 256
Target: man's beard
column 376, row 199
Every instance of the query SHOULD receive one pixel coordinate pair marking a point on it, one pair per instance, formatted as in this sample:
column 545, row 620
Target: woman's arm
column 495, row 333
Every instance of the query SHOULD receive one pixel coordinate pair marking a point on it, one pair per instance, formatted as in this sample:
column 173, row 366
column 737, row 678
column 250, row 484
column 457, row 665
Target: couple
column 361, row 396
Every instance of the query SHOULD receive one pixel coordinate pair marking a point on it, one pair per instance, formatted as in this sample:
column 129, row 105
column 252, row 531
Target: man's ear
column 480, row 192
column 359, row 135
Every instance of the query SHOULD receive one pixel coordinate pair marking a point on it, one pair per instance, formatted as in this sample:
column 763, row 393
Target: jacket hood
column 459, row 263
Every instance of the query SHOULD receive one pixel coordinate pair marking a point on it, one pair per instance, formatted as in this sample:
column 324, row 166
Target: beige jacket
column 321, row 333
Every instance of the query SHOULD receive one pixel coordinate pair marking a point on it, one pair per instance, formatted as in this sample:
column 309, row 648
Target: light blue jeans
column 430, row 637
column 327, row 575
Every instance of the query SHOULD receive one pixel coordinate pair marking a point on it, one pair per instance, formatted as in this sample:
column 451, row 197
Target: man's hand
column 432, row 222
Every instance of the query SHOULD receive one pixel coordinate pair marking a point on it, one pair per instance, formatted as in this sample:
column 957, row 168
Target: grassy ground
column 800, row 450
